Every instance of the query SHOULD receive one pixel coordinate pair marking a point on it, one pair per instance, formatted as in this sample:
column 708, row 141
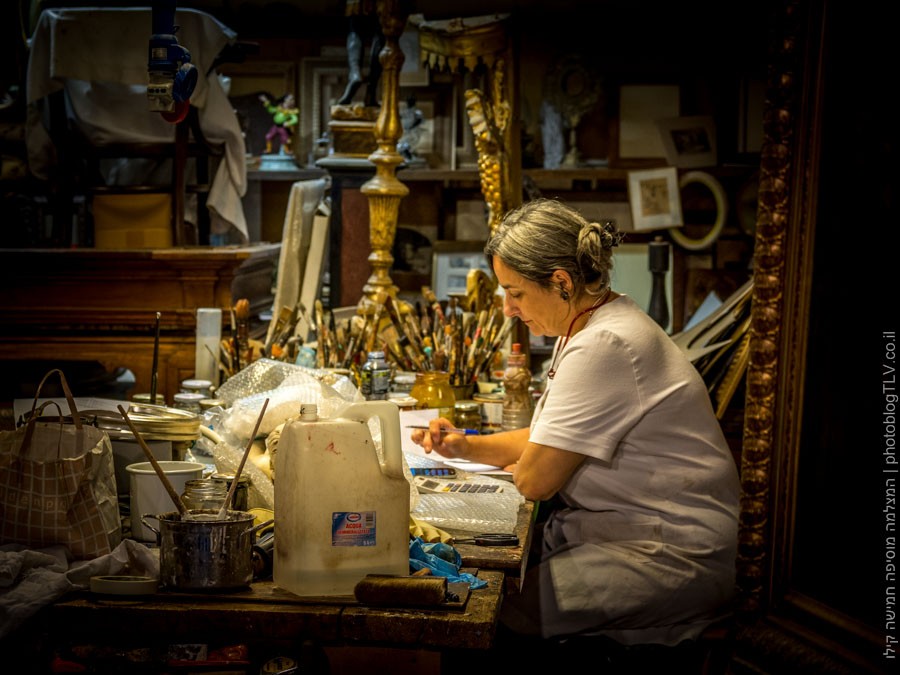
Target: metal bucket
column 202, row 555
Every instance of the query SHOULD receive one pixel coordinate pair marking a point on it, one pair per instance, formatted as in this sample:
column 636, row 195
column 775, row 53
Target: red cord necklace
column 590, row 310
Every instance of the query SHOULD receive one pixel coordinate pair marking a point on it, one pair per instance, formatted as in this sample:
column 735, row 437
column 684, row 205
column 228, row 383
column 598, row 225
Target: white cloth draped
column 99, row 56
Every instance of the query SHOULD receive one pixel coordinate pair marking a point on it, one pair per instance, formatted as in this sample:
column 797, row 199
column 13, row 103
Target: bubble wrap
column 476, row 513
column 287, row 387
column 266, row 374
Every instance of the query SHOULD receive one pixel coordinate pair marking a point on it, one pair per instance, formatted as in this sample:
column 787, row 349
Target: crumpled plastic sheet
column 497, row 512
column 443, row 560
column 266, row 374
column 287, row 387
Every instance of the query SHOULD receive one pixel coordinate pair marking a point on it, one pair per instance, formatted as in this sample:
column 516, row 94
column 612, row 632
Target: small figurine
column 364, row 22
column 285, row 116
column 412, row 120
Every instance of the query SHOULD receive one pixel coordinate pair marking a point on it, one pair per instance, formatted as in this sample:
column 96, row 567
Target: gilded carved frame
column 782, row 258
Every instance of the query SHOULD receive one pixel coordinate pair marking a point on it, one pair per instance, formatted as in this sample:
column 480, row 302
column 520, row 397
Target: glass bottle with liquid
column 518, row 404
column 432, row 390
column 376, row 377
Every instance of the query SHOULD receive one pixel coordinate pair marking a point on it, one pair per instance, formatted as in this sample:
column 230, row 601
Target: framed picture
column 451, row 262
column 322, row 82
column 655, row 199
column 690, row 142
column 635, row 140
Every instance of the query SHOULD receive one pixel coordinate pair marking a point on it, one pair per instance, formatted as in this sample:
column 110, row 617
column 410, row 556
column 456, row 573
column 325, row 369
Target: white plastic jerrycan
column 340, row 513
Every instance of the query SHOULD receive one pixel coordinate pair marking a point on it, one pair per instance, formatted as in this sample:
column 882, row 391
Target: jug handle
column 389, row 414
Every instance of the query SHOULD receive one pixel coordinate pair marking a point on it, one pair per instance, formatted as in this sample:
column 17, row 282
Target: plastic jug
column 340, row 512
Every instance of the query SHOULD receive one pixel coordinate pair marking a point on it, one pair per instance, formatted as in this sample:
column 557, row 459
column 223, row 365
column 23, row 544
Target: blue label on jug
column 353, row 528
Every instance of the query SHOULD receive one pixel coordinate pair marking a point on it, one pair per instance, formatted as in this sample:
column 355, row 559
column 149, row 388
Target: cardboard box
column 132, row 221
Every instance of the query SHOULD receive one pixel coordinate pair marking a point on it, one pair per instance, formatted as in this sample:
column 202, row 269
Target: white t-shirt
column 644, row 550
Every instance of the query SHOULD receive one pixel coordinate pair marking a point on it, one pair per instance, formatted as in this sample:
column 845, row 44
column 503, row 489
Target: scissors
column 490, row 539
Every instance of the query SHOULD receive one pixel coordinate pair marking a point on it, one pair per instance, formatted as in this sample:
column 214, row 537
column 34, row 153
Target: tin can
column 144, row 398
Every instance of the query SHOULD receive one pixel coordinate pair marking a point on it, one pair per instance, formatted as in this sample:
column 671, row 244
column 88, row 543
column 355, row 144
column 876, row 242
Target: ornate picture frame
column 655, row 199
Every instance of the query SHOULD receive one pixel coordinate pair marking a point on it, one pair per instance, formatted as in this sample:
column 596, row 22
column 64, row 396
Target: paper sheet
column 422, row 417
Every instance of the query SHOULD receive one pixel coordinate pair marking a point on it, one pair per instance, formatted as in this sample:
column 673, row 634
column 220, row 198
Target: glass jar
column 241, row 499
column 197, row 387
column 189, row 401
column 204, row 493
column 432, row 390
column 468, row 415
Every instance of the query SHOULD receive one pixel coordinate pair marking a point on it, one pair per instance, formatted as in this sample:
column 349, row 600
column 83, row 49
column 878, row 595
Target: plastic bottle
column 518, row 404
column 376, row 377
column 342, row 513
column 432, row 390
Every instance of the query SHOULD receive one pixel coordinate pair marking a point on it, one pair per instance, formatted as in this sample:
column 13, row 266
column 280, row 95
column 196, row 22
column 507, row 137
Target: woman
column 642, row 545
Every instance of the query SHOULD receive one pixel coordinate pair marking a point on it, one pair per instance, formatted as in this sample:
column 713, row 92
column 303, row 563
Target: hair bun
column 609, row 233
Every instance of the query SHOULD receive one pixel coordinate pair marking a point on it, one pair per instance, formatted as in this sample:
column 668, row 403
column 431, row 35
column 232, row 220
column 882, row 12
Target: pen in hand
column 446, row 430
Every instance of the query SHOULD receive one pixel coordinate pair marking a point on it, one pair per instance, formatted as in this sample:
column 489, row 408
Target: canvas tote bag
column 58, row 484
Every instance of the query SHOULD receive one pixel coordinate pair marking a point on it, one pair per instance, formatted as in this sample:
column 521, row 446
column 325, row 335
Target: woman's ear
column 561, row 279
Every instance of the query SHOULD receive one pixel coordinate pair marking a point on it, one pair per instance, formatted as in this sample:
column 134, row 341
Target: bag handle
column 76, row 418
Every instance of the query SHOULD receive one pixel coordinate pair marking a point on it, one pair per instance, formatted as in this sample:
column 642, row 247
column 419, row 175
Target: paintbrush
column 242, row 326
column 285, row 318
column 320, row 334
column 154, row 370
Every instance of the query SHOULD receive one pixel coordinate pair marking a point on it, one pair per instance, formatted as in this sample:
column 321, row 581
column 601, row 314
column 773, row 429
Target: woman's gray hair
column 546, row 235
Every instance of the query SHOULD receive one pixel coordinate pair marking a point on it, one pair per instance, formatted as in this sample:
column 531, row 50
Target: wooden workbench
column 266, row 617
column 270, row 621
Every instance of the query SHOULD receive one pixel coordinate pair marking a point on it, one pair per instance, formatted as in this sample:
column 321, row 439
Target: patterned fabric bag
column 58, row 484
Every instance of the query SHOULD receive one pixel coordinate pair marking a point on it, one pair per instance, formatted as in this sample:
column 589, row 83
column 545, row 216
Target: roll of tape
column 718, row 193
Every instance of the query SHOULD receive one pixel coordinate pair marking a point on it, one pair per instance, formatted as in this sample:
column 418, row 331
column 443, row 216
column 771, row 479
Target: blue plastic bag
column 443, row 560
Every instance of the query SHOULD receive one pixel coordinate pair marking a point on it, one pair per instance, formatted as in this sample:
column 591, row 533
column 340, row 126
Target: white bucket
column 150, row 497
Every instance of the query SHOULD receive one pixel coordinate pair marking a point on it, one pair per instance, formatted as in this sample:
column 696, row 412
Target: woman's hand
column 453, row 446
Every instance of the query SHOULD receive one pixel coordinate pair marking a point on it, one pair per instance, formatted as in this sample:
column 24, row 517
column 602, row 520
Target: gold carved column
column 384, row 190
column 484, row 45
